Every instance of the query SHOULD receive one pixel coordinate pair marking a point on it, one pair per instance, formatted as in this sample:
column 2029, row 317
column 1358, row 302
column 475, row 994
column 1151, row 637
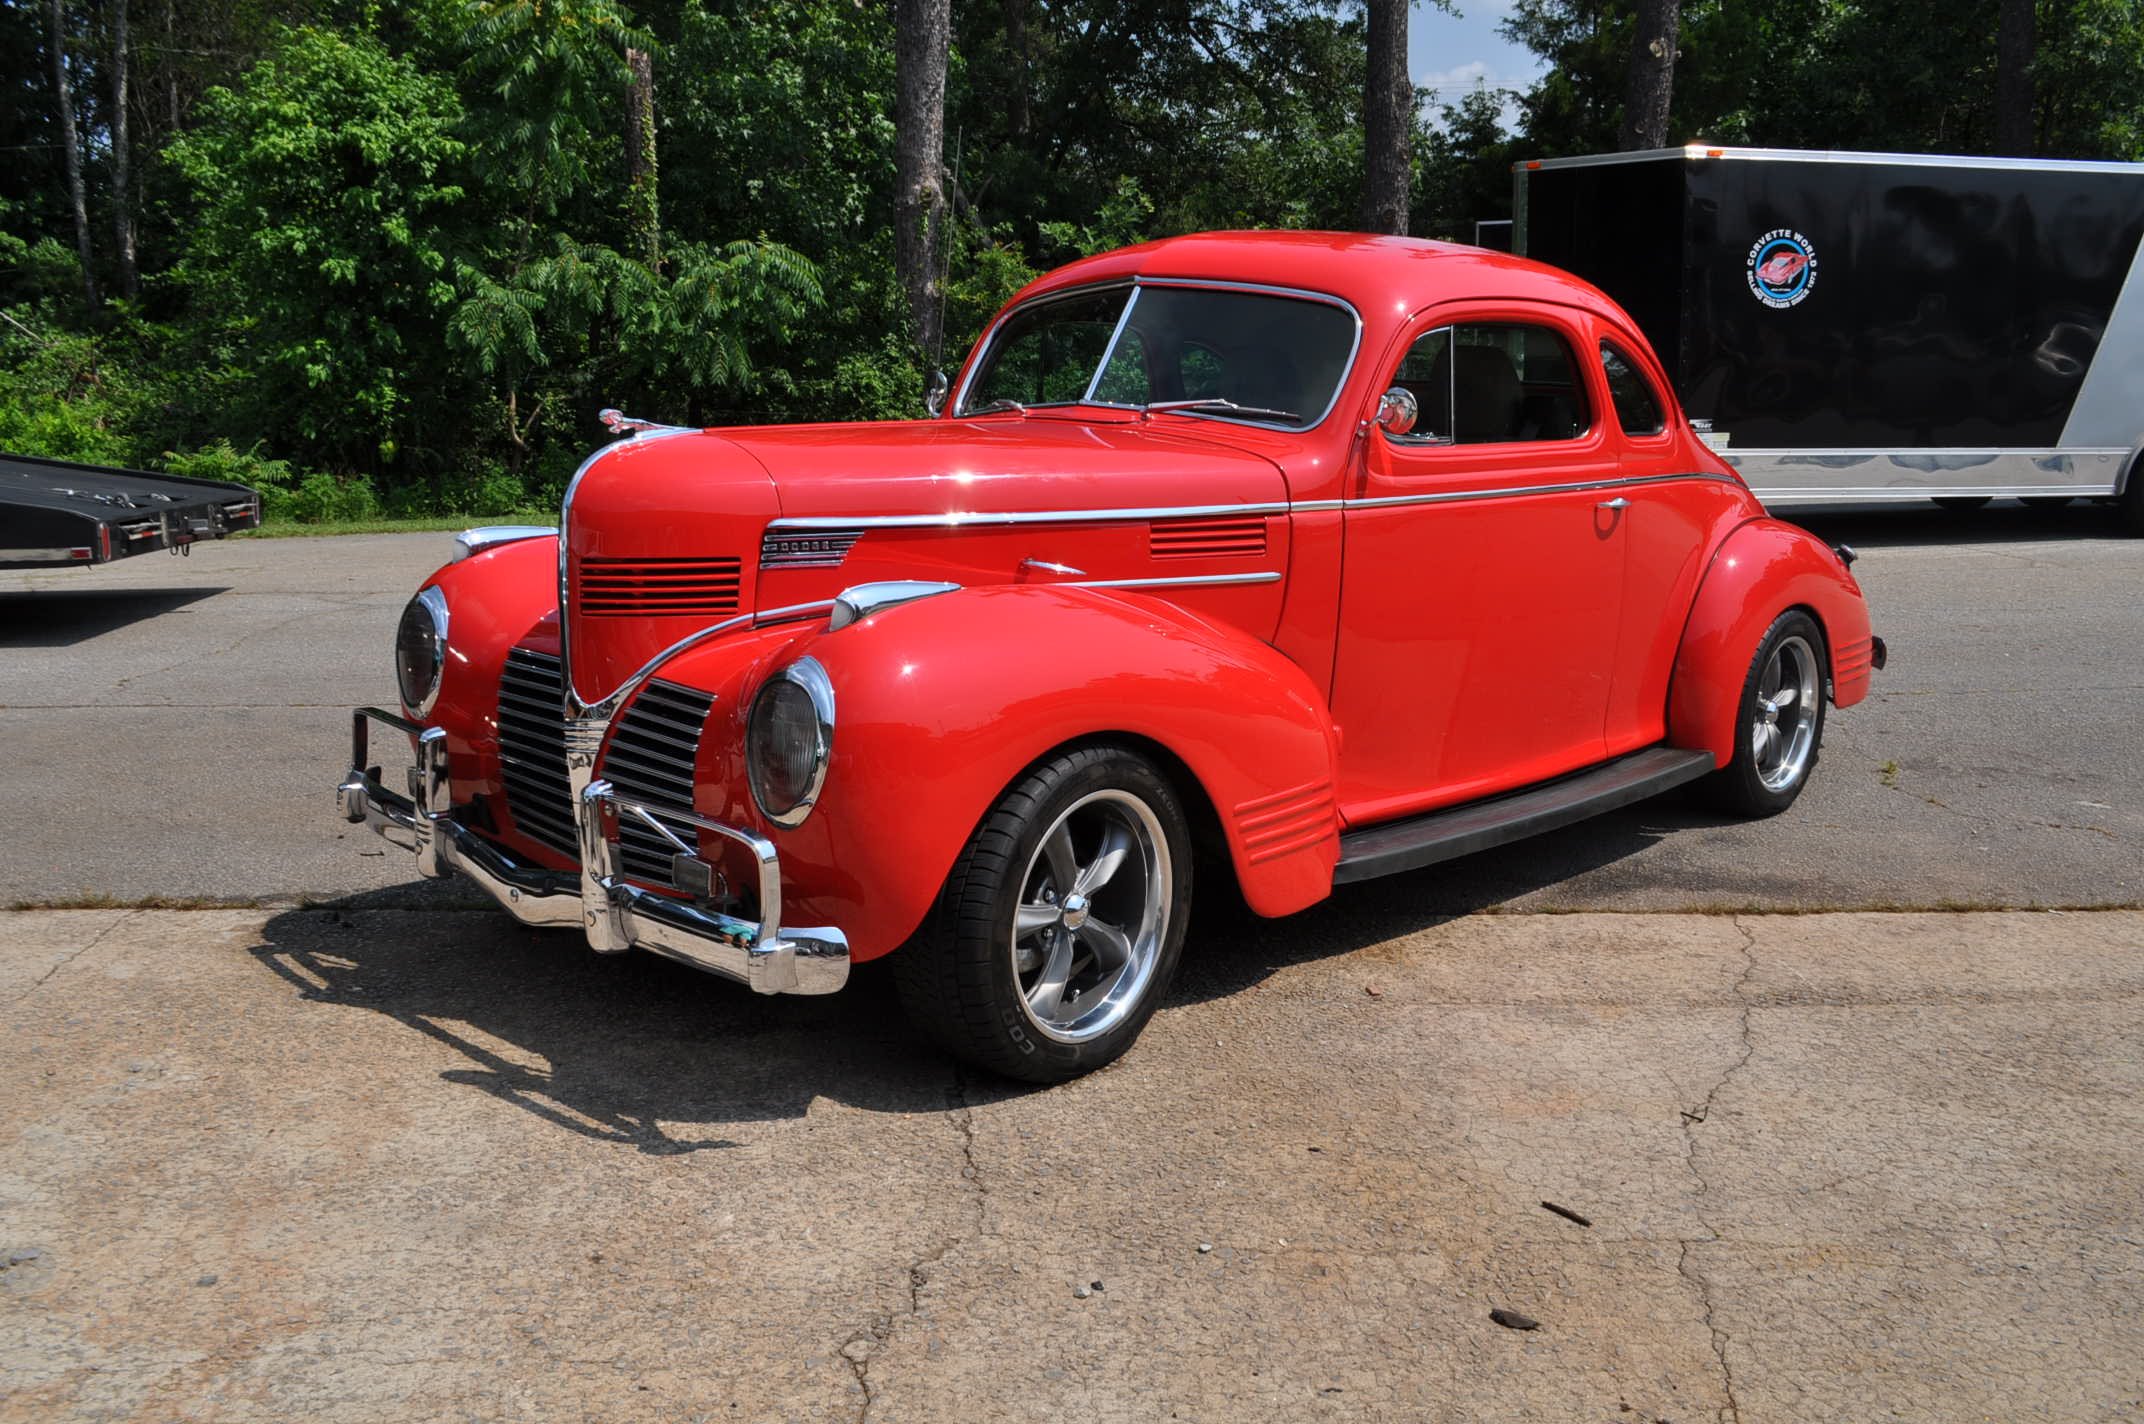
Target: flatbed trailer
column 54, row 513
column 1871, row 327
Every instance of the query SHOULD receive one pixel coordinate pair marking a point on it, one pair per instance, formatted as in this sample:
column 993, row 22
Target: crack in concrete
column 1693, row 1118
column 860, row 1347
column 102, row 936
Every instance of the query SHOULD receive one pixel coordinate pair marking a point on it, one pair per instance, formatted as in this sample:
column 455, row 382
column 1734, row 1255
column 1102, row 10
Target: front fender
column 941, row 704
column 493, row 599
column 1760, row 571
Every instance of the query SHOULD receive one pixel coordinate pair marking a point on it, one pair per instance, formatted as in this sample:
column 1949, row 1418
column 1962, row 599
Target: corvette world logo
column 1781, row 268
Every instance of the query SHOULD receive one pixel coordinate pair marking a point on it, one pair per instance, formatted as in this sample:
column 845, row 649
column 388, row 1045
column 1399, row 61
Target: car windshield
column 1187, row 351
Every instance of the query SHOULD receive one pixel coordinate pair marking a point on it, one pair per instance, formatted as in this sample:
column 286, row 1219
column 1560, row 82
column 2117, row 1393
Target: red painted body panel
column 1359, row 661
column 943, row 704
column 1763, row 569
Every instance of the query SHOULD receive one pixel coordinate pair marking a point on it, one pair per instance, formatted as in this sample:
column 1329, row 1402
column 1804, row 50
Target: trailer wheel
column 1779, row 723
column 2130, row 506
column 1060, row 926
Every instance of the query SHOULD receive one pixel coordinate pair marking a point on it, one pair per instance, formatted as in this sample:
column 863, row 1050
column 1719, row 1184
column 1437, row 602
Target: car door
column 1483, row 580
column 1668, row 526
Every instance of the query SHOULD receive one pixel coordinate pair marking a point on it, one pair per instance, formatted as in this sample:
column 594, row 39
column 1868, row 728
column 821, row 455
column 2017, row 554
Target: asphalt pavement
column 175, row 729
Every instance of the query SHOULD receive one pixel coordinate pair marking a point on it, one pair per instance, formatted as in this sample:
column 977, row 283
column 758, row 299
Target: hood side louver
column 640, row 588
column 1219, row 537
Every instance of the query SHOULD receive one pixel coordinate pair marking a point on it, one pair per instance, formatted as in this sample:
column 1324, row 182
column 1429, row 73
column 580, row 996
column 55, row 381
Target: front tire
column 1061, row 924
column 1779, row 721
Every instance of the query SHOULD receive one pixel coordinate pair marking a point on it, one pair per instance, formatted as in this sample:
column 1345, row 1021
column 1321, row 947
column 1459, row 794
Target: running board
column 1394, row 846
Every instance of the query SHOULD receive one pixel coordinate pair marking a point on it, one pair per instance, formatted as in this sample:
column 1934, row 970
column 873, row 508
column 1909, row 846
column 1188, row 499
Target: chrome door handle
column 1617, row 503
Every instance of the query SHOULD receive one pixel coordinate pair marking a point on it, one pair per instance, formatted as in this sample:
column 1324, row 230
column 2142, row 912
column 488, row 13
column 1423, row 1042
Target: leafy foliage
column 393, row 261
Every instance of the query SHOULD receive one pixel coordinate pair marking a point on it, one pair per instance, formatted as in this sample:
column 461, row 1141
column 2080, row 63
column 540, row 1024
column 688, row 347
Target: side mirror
column 1397, row 411
column 935, row 393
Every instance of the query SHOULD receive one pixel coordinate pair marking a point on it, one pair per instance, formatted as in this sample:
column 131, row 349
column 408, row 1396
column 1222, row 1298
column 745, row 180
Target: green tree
column 320, row 256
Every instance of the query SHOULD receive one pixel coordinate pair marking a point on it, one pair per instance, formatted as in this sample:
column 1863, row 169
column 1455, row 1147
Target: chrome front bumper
column 615, row 915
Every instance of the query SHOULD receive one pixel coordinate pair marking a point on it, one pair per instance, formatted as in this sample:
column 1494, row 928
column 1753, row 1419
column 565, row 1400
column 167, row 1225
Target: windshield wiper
column 1002, row 403
column 1224, row 406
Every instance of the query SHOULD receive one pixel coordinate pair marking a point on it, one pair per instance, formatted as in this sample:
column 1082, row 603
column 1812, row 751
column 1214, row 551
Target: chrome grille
column 532, row 750
column 626, row 588
column 653, row 749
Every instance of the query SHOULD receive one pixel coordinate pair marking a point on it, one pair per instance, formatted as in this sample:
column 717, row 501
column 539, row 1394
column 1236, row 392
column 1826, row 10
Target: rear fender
column 1760, row 571
column 941, row 704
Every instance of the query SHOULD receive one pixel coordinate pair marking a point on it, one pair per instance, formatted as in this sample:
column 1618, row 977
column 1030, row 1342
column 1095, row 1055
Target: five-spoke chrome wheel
column 1779, row 729
column 1093, row 909
column 1062, row 921
column 1783, row 732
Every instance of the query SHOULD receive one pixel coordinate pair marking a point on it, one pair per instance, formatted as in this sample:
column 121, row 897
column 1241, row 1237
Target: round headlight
column 787, row 741
column 421, row 649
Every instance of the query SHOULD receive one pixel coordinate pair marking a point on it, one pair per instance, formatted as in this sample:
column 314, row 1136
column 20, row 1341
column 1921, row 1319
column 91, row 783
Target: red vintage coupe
column 1300, row 557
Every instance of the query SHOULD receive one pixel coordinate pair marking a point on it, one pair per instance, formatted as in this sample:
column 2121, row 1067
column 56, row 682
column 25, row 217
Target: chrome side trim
column 1516, row 491
column 958, row 519
column 491, row 536
column 962, row 519
column 1184, row 582
column 1879, row 476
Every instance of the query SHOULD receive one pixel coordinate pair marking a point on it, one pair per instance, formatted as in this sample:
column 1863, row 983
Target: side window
column 1637, row 409
column 1493, row 383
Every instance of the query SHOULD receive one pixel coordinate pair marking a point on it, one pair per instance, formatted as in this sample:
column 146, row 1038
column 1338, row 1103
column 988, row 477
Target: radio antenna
column 945, row 250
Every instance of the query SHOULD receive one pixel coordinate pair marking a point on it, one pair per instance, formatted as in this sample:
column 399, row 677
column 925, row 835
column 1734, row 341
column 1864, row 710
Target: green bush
column 323, row 499
column 275, row 479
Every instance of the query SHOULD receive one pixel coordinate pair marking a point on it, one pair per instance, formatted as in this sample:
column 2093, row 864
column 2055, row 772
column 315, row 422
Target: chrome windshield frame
column 988, row 345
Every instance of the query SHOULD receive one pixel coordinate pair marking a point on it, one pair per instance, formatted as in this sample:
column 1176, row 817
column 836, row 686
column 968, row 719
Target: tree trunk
column 1650, row 87
column 122, row 158
column 644, row 212
column 1021, row 116
column 922, row 30
column 73, row 145
column 171, row 69
column 2013, row 79
column 1387, row 121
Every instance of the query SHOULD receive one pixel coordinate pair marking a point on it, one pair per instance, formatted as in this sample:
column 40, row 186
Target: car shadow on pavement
column 635, row 1050
column 49, row 618
column 1231, row 949
column 630, row 1049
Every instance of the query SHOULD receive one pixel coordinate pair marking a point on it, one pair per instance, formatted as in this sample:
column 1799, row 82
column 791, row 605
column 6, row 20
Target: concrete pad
column 366, row 1163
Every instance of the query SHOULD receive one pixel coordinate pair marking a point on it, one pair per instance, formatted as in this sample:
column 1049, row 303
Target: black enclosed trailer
column 1861, row 327
column 53, row 513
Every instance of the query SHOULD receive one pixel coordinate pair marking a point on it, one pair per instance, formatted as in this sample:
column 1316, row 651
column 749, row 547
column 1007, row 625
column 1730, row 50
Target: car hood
column 1004, row 465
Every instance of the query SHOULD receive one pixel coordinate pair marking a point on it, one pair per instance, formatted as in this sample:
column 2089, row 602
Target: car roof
column 1377, row 274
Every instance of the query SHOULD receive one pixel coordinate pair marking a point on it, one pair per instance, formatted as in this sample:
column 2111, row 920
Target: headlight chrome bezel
column 423, row 625
column 809, row 677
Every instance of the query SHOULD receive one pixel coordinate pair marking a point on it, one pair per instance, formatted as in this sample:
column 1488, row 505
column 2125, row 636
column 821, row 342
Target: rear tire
column 1779, row 721
column 1061, row 924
